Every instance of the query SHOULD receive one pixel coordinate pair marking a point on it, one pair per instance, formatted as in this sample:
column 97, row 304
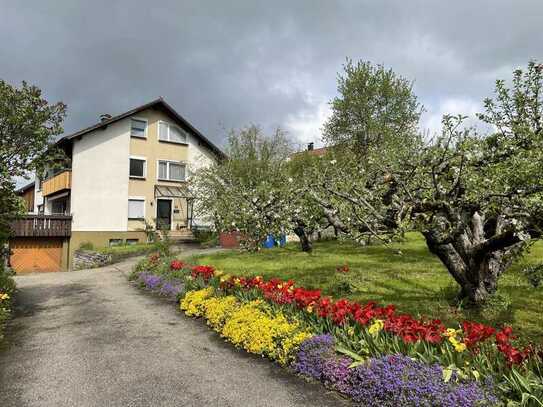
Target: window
column 171, row 171
column 138, row 128
column 136, row 208
column 171, row 133
column 132, row 241
column 137, row 167
column 115, row 242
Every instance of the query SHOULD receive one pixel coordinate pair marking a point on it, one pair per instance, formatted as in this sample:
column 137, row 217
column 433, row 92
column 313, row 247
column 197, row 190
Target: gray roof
column 157, row 103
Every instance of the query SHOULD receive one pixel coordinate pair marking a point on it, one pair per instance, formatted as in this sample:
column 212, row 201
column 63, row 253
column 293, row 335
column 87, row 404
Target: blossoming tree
column 251, row 191
column 477, row 199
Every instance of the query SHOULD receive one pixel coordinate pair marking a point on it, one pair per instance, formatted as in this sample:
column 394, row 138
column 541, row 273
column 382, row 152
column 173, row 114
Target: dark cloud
column 225, row 64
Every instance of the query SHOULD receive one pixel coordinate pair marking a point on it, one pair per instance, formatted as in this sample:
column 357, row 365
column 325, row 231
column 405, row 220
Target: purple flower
column 313, row 354
column 150, row 281
column 393, row 380
column 336, row 373
column 170, row 289
column 399, row 380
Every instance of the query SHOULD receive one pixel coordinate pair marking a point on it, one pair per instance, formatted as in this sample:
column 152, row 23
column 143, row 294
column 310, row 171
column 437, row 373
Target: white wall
column 199, row 157
column 38, row 198
column 100, row 165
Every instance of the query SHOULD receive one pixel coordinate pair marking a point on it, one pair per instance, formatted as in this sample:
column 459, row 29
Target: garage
column 31, row 254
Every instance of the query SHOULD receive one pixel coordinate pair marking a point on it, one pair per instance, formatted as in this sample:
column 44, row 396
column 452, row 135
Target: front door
column 164, row 214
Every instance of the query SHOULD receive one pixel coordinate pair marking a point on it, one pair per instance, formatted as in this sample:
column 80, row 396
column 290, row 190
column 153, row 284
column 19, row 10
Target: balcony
column 60, row 182
column 42, row 226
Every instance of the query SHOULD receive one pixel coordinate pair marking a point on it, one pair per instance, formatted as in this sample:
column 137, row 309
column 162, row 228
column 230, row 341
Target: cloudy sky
column 224, row 64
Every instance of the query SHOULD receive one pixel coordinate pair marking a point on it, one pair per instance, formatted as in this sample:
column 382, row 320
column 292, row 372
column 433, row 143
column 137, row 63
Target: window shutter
column 138, row 128
column 136, row 208
column 163, row 131
column 177, row 135
column 177, row 172
column 162, row 170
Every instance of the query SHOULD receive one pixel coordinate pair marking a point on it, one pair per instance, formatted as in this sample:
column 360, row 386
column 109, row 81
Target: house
column 26, row 192
column 125, row 172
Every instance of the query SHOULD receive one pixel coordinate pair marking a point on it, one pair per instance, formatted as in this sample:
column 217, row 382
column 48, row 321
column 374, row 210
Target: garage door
column 35, row 254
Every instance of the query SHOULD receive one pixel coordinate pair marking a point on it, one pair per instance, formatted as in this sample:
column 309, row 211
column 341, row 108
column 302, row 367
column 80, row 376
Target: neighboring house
column 311, row 150
column 126, row 172
column 27, row 193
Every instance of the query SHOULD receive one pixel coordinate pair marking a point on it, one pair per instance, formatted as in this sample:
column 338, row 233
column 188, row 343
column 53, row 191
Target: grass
column 415, row 281
column 127, row 250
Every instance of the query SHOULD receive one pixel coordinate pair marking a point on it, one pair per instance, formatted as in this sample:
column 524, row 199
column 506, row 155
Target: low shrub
column 7, row 289
column 86, row 246
column 125, row 251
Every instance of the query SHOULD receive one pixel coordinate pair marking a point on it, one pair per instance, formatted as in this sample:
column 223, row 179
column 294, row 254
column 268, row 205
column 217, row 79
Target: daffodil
column 450, row 332
column 4, row 296
column 376, row 327
column 460, row 347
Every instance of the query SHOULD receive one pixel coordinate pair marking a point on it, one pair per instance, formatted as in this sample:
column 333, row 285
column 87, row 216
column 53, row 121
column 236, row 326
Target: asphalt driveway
column 88, row 338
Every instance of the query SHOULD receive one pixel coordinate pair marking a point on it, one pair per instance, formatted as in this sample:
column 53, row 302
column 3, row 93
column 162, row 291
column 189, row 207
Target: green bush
column 86, row 246
column 124, row 251
column 7, row 288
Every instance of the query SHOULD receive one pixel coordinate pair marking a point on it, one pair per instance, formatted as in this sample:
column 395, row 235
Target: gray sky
column 225, row 64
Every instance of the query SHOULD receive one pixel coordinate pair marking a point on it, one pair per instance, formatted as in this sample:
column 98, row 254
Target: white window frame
column 142, row 119
column 169, row 140
column 168, row 162
column 136, row 198
column 135, row 157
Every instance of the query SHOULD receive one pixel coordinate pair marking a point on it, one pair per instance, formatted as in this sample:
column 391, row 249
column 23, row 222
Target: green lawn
column 415, row 281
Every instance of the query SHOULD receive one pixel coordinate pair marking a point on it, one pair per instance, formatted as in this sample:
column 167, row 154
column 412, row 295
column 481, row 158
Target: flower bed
column 252, row 326
column 274, row 317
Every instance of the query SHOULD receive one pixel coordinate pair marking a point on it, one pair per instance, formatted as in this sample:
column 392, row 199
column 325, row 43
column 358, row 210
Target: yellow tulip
column 376, row 327
column 460, row 347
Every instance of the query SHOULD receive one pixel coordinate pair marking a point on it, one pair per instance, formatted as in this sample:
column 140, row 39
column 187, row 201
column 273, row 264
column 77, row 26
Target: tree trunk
column 304, row 239
column 483, row 279
column 477, row 275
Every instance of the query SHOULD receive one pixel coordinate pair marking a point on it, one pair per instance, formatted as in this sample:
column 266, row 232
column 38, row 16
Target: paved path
column 88, row 338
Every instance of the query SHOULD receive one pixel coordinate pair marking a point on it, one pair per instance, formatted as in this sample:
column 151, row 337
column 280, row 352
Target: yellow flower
column 450, row 332
column 4, row 296
column 309, row 309
column 193, row 302
column 376, row 327
column 350, row 331
column 252, row 326
column 460, row 347
column 453, row 340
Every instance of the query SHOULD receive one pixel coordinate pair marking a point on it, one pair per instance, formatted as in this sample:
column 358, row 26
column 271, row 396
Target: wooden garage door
column 35, row 254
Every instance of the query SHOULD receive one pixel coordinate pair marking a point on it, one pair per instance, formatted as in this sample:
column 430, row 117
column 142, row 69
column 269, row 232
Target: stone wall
column 86, row 259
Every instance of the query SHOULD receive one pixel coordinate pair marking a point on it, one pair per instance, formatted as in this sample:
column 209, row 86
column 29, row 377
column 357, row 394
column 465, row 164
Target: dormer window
column 138, row 128
column 170, row 133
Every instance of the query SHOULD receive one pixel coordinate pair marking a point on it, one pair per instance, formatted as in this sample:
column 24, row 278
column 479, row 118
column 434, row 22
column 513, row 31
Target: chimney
column 310, row 146
column 105, row 117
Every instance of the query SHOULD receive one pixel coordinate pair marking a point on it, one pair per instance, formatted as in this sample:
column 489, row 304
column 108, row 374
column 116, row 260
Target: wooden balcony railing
column 42, row 225
column 60, row 182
